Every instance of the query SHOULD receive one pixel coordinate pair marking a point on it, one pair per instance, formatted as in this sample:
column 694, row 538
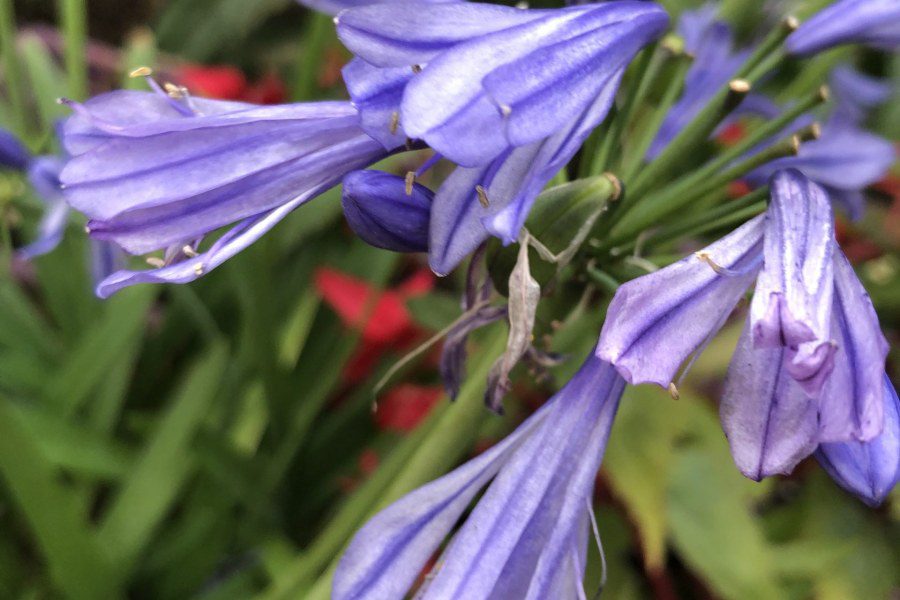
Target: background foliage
column 218, row 440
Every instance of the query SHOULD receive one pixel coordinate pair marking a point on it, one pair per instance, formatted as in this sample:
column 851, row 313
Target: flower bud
column 13, row 154
column 379, row 209
column 556, row 221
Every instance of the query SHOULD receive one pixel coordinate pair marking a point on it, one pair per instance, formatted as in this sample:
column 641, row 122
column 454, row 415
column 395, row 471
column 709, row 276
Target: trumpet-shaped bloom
column 809, row 366
column 870, row 469
column 525, row 538
column 872, row 22
column 380, row 211
column 158, row 173
column 473, row 80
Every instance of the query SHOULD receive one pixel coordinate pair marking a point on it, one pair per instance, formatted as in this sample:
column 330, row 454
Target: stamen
column 155, row 262
column 673, row 391
column 505, row 110
column 705, row 257
column 417, row 69
column 749, row 267
column 87, row 229
column 141, row 72
column 198, row 269
column 395, row 122
column 174, row 91
column 409, row 181
column 189, row 252
column 482, row 196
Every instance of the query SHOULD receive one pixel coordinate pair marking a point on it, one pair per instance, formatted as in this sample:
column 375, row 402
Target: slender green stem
column 604, row 280
column 770, row 44
column 73, row 23
column 644, row 138
column 655, row 207
column 12, row 74
column 318, row 35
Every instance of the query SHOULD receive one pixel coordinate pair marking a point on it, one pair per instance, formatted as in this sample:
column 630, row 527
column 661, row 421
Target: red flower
column 222, row 82
column 403, row 407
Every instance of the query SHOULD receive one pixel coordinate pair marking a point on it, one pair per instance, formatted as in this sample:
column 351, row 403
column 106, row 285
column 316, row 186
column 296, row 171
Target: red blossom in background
column 403, row 407
column 224, row 82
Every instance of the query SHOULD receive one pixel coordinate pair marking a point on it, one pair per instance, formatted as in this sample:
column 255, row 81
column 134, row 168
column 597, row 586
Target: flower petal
column 655, row 322
column 793, row 299
column 868, row 469
column 875, row 22
column 376, row 93
column 770, row 423
column 851, row 406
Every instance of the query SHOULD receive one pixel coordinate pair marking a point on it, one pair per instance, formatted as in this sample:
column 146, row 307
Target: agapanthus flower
column 387, row 211
column 857, row 94
column 845, row 160
column 872, row 22
column 870, row 470
column 507, row 94
column 157, row 171
column 526, row 537
column 809, row 367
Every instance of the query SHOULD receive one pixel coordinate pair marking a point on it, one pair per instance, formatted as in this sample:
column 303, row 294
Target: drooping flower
column 162, row 172
column 473, row 80
column 526, row 537
column 857, row 94
column 871, row 22
column 844, row 160
column 810, row 363
column 381, row 212
column 508, row 94
column 870, row 470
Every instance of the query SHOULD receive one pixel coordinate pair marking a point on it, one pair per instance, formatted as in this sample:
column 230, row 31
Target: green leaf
column 639, row 461
column 48, row 82
column 164, row 465
column 77, row 563
column 714, row 531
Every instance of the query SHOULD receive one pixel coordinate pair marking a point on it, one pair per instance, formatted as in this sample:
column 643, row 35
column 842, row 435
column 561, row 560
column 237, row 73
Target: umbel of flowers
column 510, row 97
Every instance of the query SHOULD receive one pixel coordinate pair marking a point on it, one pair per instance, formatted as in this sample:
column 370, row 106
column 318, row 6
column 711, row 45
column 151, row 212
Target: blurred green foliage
column 196, row 441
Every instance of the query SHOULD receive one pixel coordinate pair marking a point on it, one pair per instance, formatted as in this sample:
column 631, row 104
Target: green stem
column 318, row 35
column 770, row 44
column 645, row 137
column 12, row 74
column 655, row 207
column 73, row 22
column 604, row 280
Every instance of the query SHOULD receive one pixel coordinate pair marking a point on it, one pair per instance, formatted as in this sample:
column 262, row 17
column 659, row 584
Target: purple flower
column 13, row 154
column 154, row 172
column 333, row 7
column 809, row 366
column 857, row 94
column 872, row 22
column 43, row 175
column 473, row 80
column 526, row 537
column 868, row 469
column 844, row 160
column 381, row 212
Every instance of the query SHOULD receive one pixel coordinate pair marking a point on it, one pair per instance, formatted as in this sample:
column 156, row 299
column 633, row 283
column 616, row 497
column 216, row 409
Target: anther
column 188, row 251
column 155, row 262
column 175, row 92
column 791, row 23
column 198, row 269
column 87, row 229
column 824, row 93
column 395, row 122
column 141, row 72
column 617, row 185
column 409, row 180
column 739, row 86
column 673, row 391
column 482, row 196
column 417, row 69
column 705, row 257
column 505, row 110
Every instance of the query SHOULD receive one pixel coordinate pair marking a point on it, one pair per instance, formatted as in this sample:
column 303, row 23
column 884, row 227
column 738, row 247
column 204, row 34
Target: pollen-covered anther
column 155, row 262
column 141, row 72
column 505, row 110
column 395, row 122
column 189, row 251
column 175, row 92
column 87, row 229
column 198, row 269
column 791, row 23
column 417, row 68
column 408, row 182
column 705, row 257
column 673, row 391
column 739, row 86
column 482, row 196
